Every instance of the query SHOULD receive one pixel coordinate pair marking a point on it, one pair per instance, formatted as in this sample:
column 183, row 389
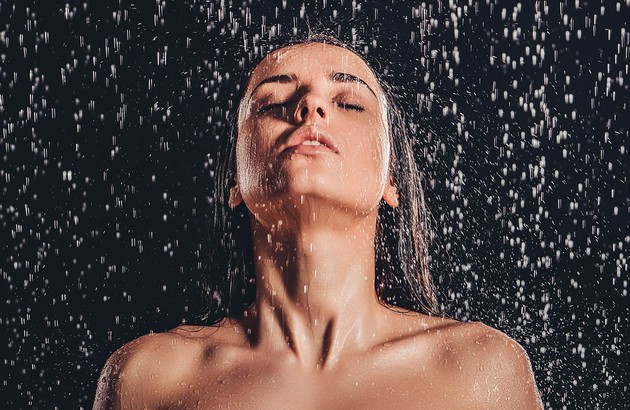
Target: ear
column 235, row 197
column 390, row 196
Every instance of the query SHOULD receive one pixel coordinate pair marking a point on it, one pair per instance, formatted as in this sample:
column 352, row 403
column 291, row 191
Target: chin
column 327, row 197
column 321, row 187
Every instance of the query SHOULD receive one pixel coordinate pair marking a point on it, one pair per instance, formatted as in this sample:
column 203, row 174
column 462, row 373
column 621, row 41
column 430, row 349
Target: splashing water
column 111, row 115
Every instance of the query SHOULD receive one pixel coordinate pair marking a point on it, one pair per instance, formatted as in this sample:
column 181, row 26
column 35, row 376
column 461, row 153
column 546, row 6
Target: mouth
column 309, row 141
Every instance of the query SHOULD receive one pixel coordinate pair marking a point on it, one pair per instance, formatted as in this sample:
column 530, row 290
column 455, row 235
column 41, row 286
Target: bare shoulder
column 142, row 371
column 493, row 368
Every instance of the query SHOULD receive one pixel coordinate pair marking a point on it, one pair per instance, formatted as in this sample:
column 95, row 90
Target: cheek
column 367, row 164
column 383, row 150
column 246, row 154
column 373, row 153
column 252, row 158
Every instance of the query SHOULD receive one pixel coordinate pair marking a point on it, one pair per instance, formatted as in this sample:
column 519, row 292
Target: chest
column 356, row 388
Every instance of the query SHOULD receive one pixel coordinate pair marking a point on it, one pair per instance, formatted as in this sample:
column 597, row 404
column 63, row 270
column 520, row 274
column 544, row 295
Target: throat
column 314, row 342
column 315, row 290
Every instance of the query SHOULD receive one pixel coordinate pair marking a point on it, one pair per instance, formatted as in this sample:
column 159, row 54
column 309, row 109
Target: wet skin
column 317, row 336
column 435, row 364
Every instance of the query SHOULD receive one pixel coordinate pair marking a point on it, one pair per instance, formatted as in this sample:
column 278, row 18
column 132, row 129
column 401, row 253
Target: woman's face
column 312, row 127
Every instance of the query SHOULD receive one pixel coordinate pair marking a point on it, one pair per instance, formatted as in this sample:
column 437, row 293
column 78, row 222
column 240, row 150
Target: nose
column 312, row 107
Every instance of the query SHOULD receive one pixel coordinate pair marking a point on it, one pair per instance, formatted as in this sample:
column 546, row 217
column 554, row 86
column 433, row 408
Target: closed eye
column 270, row 107
column 348, row 106
column 344, row 105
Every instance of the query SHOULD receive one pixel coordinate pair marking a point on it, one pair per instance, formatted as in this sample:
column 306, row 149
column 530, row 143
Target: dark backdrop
column 111, row 112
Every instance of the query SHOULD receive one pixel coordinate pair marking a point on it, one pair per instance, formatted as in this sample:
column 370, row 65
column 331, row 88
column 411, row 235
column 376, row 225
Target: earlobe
column 390, row 196
column 235, row 197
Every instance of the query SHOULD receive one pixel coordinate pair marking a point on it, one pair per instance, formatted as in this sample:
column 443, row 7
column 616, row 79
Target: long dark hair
column 403, row 233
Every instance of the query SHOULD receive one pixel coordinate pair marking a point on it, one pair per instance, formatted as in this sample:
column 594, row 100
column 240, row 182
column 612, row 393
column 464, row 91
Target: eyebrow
column 335, row 77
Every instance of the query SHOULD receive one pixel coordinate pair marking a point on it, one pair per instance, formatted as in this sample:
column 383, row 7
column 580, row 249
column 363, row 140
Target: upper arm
column 145, row 373
column 109, row 383
column 505, row 378
column 122, row 380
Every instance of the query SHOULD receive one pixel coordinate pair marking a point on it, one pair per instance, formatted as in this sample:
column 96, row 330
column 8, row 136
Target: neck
column 315, row 288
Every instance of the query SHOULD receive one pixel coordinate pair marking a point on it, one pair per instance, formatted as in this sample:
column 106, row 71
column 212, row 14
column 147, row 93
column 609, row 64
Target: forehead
column 312, row 59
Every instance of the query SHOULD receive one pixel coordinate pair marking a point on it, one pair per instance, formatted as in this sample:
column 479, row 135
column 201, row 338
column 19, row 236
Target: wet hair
column 402, row 277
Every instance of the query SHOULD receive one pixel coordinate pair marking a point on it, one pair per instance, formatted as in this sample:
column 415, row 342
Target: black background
column 111, row 111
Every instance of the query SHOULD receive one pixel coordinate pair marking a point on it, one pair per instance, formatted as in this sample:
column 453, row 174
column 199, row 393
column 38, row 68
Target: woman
column 342, row 313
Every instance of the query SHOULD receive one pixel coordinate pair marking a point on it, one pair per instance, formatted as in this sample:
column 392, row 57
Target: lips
column 309, row 140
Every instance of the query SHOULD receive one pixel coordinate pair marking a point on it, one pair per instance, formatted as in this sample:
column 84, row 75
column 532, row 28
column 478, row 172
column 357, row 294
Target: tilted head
column 313, row 125
column 319, row 88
